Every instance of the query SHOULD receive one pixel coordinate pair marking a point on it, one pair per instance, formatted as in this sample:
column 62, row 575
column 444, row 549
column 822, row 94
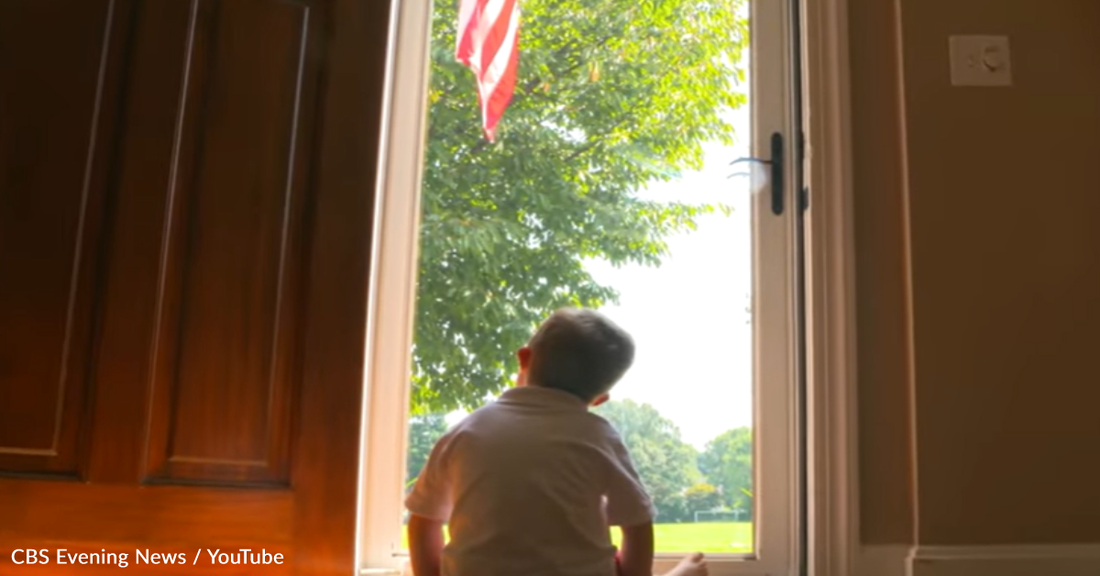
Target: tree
column 665, row 463
column 611, row 95
column 726, row 462
column 424, row 431
column 702, row 497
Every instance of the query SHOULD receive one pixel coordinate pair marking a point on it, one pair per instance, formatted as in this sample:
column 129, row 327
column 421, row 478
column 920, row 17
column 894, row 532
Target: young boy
column 530, row 484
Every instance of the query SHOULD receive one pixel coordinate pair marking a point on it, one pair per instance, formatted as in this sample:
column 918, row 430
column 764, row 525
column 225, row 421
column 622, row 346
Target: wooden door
column 185, row 222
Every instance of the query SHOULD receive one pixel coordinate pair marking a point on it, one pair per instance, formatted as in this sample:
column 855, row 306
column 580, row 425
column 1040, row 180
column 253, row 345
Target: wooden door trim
column 64, row 511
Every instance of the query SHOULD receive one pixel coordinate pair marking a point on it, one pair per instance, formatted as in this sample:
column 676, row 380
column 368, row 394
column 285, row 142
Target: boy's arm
column 629, row 507
column 636, row 558
column 425, row 545
column 627, row 502
column 429, row 505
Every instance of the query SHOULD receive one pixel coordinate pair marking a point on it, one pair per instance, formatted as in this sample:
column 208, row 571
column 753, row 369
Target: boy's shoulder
column 611, row 435
column 585, row 422
column 603, row 424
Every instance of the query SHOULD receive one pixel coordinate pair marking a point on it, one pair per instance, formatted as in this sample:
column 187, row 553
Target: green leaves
column 680, row 480
column 611, row 96
column 703, row 497
column 727, row 463
column 424, row 432
column 664, row 461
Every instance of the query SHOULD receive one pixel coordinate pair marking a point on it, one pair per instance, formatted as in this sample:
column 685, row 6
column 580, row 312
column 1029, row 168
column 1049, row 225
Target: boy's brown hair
column 579, row 351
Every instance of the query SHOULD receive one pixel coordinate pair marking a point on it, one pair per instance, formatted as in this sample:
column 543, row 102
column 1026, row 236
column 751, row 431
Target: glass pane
column 686, row 407
column 608, row 185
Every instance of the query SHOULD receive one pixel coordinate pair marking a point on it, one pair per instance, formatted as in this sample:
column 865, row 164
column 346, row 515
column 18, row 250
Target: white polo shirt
column 529, row 485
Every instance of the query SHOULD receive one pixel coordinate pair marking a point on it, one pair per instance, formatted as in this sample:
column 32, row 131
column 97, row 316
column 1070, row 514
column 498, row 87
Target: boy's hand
column 425, row 545
column 636, row 558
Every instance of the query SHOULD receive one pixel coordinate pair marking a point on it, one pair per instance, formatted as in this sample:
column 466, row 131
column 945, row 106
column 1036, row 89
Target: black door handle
column 777, row 164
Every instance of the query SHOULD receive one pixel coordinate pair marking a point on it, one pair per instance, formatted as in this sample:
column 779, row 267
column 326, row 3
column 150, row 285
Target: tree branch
column 593, row 142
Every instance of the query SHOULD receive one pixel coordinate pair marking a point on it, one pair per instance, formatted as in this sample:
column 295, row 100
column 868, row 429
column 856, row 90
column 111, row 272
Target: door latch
column 777, row 165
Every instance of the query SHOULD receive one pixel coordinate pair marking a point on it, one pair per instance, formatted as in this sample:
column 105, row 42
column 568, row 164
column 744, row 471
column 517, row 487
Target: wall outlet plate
column 980, row 61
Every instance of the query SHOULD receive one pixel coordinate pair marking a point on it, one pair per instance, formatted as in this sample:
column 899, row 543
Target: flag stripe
column 487, row 43
column 492, row 28
column 505, row 50
column 466, row 14
column 501, row 95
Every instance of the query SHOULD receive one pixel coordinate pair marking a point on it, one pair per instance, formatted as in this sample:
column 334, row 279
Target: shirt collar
column 542, row 396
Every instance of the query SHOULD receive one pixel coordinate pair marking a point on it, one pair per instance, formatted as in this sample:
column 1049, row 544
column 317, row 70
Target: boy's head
column 578, row 351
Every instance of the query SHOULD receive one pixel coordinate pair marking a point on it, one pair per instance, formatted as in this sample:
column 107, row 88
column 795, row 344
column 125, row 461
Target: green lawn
column 710, row 537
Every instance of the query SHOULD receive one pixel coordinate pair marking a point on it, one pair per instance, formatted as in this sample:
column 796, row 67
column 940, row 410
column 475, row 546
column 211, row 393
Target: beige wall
column 1004, row 193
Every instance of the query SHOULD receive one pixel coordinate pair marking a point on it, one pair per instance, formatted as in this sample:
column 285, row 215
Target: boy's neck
column 523, row 382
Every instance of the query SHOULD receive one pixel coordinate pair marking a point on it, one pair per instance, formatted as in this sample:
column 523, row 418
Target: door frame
column 830, row 292
column 833, row 506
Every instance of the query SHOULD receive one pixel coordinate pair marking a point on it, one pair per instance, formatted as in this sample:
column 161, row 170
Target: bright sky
column 689, row 317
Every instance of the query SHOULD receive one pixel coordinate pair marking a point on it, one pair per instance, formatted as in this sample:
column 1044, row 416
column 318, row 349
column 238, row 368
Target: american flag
column 488, row 44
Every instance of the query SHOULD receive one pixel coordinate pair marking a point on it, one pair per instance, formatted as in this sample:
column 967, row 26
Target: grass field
column 709, row 537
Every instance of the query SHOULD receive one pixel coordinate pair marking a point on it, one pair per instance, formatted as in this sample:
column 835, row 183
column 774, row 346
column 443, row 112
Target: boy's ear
column 524, row 356
column 601, row 399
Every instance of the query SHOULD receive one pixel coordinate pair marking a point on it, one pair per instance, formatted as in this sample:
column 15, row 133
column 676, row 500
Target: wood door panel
column 161, row 514
column 227, row 312
column 229, row 304
column 118, row 443
column 56, row 146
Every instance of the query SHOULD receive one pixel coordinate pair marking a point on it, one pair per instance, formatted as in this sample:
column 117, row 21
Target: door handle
column 777, row 165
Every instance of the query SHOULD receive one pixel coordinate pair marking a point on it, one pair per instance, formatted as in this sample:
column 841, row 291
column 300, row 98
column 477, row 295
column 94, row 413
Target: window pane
column 608, row 186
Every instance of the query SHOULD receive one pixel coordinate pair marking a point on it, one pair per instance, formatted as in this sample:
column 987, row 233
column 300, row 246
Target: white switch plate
column 980, row 61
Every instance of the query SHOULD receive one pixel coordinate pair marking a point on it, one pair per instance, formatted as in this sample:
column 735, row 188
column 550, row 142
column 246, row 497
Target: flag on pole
column 488, row 44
